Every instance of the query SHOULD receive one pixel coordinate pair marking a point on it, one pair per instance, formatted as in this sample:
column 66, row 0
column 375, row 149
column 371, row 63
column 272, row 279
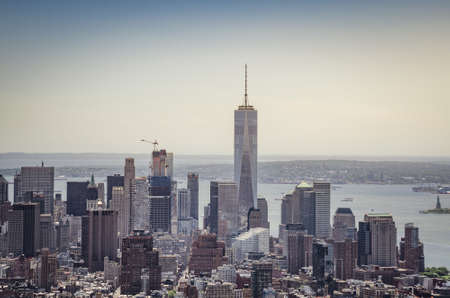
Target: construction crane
column 154, row 143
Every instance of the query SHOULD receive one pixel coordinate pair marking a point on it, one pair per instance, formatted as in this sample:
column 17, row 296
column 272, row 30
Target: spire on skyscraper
column 92, row 183
column 246, row 94
column 246, row 105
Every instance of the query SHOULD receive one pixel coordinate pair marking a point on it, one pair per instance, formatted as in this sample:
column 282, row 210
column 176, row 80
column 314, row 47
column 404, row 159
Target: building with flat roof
column 24, row 229
column 35, row 179
column 383, row 239
column 254, row 240
column 99, row 238
column 111, row 181
column 138, row 254
column 192, row 185
column 3, row 190
column 322, row 192
column 206, row 254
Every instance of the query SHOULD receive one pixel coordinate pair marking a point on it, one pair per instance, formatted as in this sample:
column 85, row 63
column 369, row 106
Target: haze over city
column 327, row 78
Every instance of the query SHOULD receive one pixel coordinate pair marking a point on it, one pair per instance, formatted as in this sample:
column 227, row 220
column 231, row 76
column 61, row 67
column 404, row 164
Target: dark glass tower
column 77, row 195
column 192, row 185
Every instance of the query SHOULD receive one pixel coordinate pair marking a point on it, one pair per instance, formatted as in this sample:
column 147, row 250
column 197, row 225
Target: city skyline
column 327, row 191
column 315, row 71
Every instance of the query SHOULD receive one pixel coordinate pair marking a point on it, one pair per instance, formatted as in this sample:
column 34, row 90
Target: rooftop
column 303, row 184
column 342, row 210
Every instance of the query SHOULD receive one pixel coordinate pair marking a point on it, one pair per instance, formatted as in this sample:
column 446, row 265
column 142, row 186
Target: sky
column 327, row 78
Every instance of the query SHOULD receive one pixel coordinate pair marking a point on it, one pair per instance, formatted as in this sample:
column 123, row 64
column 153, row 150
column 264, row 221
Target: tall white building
column 254, row 240
column 140, row 206
column 184, row 203
column 322, row 210
column 119, row 204
column 245, row 155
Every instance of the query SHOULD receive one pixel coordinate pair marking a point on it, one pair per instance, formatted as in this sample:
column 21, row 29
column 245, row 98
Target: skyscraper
column 184, row 203
column 322, row 259
column 138, row 254
column 245, row 155
column 130, row 190
column 345, row 258
column 383, row 239
column 3, row 190
column 47, row 237
column 140, row 206
column 411, row 249
column 299, row 247
column 344, row 224
column 24, row 229
column 160, row 204
column 364, row 240
column 35, row 179
column 223, row 203
column 111, row 181
column 304, row 209
column 322, row 209
column 262, row 206
column 160, row 216
column 227, row 215
column 77, row 196
column 159, row 162
column 213, row 219
column 192, row 185
column 99, row 238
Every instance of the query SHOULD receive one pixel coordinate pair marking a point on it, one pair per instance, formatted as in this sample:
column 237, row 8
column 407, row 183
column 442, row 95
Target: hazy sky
column 333, row 78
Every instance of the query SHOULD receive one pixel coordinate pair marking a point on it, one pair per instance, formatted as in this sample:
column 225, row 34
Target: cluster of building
column 143, row 237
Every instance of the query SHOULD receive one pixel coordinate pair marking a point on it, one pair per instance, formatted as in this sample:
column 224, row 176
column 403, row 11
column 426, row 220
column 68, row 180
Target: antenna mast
column 246, row 95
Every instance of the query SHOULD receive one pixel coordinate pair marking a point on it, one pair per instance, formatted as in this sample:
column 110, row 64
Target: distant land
column 271, row 168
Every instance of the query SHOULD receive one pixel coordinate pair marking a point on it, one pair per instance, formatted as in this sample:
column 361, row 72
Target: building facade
column 35, row 179
column 261, row 278
column 24, row 229
column 77, row 196
column 192, row 185
column 140, row 206
column 383, row 239
column 206, row 254
column 245, row 155
column 3, row 190
column 344, row 224
column 111, row 181
column 345, row 258
column 322, row 192
column 411, row 249
column 138, row 254
column 99, row 238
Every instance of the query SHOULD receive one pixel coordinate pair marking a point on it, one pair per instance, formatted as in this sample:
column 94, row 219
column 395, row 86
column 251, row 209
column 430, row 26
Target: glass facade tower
column 245, row 155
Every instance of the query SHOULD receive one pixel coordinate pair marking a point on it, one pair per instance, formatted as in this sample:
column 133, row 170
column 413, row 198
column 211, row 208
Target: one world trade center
column 245, row 155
